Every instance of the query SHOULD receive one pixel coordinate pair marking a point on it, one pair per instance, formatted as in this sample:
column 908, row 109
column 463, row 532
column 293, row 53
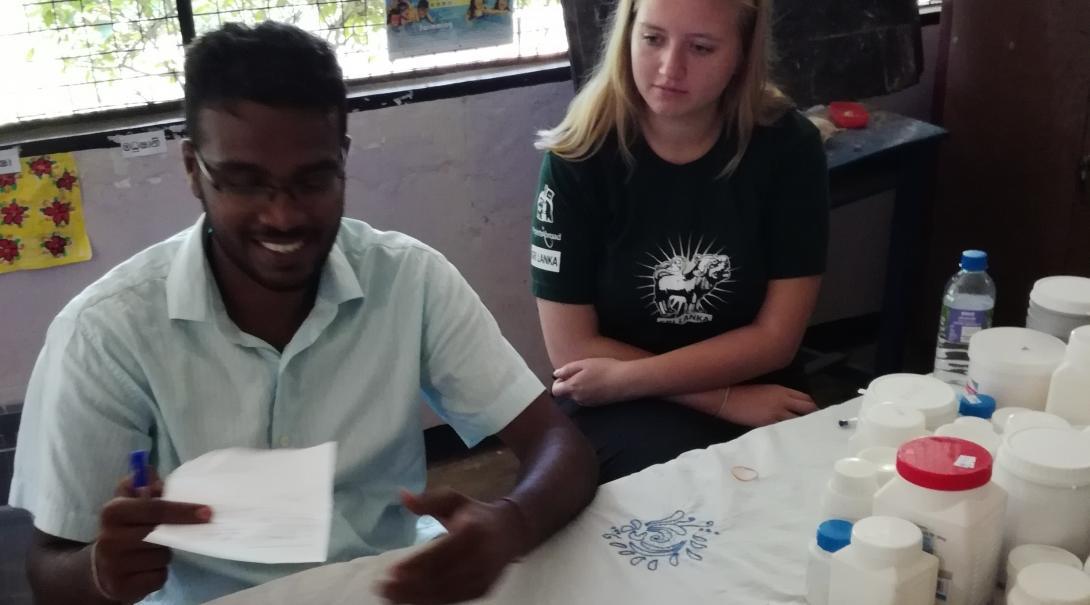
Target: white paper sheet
column 268, row 506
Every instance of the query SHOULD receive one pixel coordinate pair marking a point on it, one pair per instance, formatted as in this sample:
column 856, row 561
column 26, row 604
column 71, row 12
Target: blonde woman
column 679, row 235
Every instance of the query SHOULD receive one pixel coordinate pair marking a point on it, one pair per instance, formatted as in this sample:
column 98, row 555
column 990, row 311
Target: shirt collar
column 192, row 292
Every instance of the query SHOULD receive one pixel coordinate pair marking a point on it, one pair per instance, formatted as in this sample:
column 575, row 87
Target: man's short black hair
column 273, row 64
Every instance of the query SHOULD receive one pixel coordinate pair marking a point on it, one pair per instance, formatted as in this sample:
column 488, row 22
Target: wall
column 458, row 174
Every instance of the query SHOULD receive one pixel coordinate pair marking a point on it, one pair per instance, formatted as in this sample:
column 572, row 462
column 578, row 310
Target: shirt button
column 285, row 441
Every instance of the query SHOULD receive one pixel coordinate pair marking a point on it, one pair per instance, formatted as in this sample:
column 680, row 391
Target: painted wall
column 459, row 174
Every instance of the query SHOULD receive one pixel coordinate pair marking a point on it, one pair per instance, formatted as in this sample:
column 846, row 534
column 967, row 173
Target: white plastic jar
column 977, row 430
column 943, row 486
column 884, row 565
column 849, row 494
column 1046, row 474
column 1025, row 555
column 1069, row 390
column 884, row 460
column 1013, row 365
column 832, row 535
column 1050, row 584
column 887, row 424
column 935, row 399
column 1026, row 419
column 1002, row 415
column 1058, row 305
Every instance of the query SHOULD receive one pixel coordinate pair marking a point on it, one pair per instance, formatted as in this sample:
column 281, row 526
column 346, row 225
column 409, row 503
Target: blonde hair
column 609, row 102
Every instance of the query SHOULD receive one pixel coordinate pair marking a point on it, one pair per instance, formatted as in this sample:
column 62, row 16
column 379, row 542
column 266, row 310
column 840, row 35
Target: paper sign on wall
column 143, row 143
column 9, row 160
column 420, row 27
column 41, row 215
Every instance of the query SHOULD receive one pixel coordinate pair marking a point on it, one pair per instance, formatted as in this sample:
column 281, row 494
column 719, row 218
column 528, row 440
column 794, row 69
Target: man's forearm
column 558, row 480
column 61, row 576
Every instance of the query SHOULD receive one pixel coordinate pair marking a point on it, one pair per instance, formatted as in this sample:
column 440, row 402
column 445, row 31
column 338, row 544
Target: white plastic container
column 1058, row 305
column 883, row 565
column 1046, row 474
column 1014, row 365
column 977, row 430
column 887, row 424
column 832, row 535
column 1028, row 419
column 1050, row 584
column 1025, row 555
column 943, row 486
column 1002, row 415
column 849, row 494
column 1069, row 390
column 935, row 399
column 884, row 460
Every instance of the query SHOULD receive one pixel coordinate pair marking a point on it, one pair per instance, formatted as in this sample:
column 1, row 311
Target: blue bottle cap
column 974, row 260
column 979, row 405
column 834, row 534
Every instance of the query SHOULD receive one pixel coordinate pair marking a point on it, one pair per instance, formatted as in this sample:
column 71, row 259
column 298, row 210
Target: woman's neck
column 680, row 140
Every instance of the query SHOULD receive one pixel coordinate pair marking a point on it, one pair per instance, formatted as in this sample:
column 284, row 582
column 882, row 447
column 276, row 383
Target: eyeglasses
column 316, row 186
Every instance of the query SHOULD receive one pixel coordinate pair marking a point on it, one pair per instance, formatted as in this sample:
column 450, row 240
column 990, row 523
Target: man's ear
column 192, row 171
column 346, row 144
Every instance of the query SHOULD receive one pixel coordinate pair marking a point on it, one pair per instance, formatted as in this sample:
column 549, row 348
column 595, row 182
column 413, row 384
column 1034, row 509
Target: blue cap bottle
column 834, row 534
column 978, row 406
column 974, row 260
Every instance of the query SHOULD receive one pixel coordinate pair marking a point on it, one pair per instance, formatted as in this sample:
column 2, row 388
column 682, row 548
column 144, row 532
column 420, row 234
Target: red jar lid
column 846, row 114
column 945, row 464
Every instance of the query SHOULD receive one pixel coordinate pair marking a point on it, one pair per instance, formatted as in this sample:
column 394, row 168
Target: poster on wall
column 420, row 27
column 41, row 215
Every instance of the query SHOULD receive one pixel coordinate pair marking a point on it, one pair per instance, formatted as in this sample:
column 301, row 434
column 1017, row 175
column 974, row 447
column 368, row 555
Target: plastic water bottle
column 967, row 306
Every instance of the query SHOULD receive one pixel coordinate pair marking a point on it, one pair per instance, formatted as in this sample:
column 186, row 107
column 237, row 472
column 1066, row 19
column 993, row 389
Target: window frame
column 99, row 129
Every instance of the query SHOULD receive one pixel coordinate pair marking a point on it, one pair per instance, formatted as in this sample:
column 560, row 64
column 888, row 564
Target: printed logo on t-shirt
column 685, row 284
column 545, row 205
column 548, row 237
column 546, row 260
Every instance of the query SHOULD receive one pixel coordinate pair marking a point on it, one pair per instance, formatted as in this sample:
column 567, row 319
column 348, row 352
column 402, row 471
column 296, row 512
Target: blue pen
column 138, row 464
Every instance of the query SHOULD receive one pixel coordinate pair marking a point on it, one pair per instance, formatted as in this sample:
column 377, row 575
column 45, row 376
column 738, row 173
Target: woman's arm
column 769, row 343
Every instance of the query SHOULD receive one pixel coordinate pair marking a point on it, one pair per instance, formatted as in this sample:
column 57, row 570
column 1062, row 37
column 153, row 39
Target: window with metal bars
column 81, row 56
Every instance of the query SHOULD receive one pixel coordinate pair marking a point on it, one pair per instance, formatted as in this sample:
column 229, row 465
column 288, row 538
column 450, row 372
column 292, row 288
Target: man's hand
column 762, row 404
column 594, row 381
column 464, row 564
column 126, row 568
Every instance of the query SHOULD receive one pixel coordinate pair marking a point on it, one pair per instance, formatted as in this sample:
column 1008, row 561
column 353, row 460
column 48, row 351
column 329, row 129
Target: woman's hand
column 764, row 404
column 594, row 381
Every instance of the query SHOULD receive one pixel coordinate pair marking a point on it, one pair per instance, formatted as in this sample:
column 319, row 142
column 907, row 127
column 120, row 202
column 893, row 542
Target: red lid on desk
column 846, row 114
column 945, row 464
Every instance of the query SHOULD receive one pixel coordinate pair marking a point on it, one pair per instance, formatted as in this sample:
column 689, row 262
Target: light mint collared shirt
column 146, row 357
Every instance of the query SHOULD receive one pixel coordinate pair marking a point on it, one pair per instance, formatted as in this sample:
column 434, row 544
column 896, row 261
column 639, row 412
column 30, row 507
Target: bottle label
column 959, row 325
column 934, row 543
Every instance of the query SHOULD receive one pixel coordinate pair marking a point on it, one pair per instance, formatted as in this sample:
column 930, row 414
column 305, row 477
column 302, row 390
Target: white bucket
column 1014, row 365
column 1046, row 474
column 1025, row 555
column 1058, row 305
column 1050, row 584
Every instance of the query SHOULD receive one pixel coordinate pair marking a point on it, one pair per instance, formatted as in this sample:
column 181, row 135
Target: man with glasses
column 276, row 322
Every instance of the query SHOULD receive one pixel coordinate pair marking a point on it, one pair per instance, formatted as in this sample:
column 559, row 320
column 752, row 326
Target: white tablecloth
column 686, row 531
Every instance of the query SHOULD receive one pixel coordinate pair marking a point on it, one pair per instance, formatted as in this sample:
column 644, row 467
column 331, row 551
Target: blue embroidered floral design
column 662, row 539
